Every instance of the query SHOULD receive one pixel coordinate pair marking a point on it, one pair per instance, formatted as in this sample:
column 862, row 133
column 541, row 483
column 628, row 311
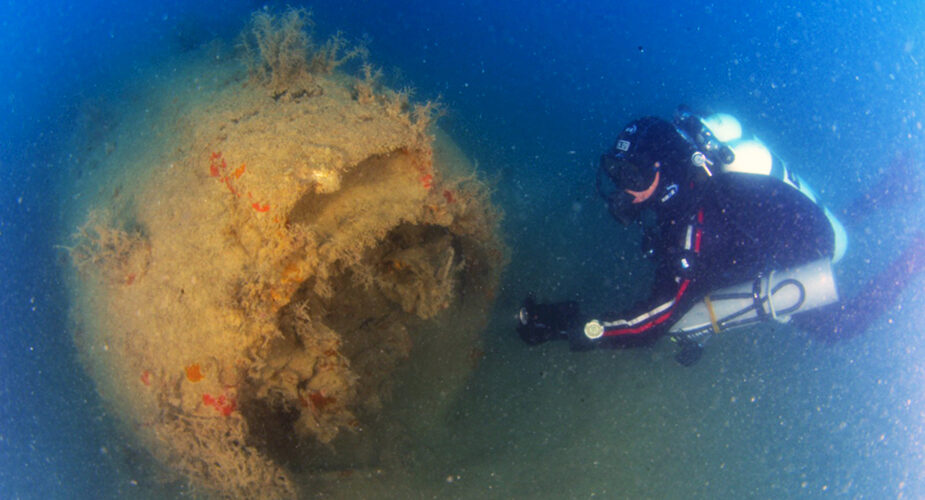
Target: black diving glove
column 538, row 323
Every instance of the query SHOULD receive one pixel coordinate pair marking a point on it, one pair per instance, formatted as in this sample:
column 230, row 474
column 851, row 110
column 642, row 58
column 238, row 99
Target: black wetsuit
column 719, row 232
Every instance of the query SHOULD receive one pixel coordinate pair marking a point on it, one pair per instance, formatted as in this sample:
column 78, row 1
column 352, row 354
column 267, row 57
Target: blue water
column 535, row 91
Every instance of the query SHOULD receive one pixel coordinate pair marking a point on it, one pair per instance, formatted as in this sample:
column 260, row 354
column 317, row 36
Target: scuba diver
column 736, row 237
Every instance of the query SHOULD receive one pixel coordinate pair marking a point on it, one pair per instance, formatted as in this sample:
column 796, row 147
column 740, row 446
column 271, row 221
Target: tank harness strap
column 771, row 295
column 709, row 303
column 756, row 298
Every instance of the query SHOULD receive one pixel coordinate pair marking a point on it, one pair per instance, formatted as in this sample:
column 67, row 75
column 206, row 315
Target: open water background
column 535, row 91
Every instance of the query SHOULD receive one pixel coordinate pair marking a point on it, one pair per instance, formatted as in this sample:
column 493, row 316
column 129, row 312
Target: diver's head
column 649, row 154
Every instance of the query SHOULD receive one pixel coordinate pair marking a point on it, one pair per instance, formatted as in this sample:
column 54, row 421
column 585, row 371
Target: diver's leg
column 900, row 183
column 848, row 318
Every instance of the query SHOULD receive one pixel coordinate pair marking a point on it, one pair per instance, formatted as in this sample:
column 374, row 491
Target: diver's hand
column 538, row 323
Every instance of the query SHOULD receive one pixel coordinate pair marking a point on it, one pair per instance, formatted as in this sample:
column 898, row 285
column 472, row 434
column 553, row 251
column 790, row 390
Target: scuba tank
column 723, row 148
column 776, row 295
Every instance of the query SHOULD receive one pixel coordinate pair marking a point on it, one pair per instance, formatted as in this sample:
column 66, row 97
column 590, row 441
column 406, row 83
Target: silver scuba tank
column 776, row 295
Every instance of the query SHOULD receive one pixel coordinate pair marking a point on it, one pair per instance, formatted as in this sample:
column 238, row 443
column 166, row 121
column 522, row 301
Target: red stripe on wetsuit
column 661, row 318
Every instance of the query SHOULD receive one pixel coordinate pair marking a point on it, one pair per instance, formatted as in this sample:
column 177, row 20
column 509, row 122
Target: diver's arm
column 646, row 320
column 651, row 317
column 541, row 322
column 538, row 323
